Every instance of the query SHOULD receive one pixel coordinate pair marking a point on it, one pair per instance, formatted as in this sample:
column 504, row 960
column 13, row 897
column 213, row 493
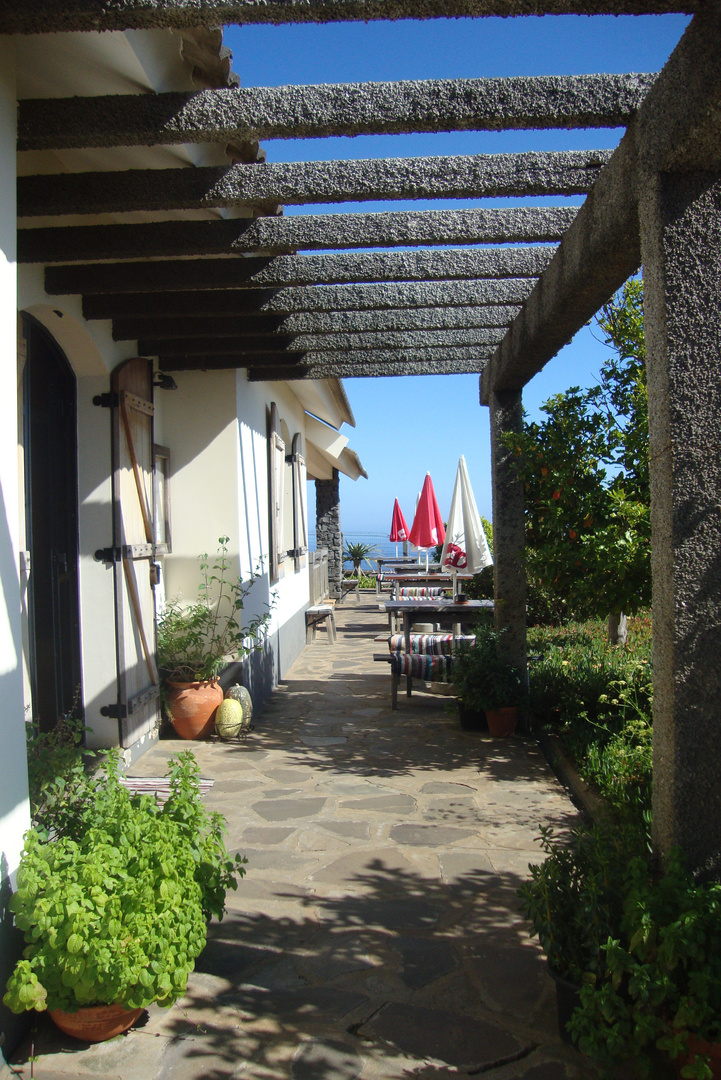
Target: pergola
column 202, row 295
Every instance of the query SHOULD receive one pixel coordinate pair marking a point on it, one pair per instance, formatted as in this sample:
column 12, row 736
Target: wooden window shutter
column 134, row 548
column 276, row 469
column 300, row 526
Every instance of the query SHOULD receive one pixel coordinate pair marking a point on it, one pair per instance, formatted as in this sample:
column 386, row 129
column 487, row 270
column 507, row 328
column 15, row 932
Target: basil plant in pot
column 659, row 988
column 484, row 684
column 115, row 914
column 195, row 641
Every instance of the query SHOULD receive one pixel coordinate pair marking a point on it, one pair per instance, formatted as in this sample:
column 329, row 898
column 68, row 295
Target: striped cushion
column 427, row 668
column 420, row 592
column 429, row 644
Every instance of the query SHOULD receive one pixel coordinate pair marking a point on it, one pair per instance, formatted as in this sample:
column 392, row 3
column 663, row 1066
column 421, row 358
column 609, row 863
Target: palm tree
column 356, row 553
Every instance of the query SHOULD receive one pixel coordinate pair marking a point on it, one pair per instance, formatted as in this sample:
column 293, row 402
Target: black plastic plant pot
column 471, row 719
column 568, row 998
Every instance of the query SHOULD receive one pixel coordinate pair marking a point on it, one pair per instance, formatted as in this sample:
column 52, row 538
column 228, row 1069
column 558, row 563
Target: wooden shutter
column 300, row 527
column 134, row 548
column 276, row 471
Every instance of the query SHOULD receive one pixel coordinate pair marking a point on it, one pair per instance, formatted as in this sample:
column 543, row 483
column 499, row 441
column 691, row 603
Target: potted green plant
column 196, row 640
column 356, row 553
column 574, row 901
column 486, row 684
column 115, row 915
column 659, row 987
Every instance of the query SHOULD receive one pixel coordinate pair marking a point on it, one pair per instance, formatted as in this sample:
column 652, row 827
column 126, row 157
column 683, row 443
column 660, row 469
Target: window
column 288, row 525
column 161, row 489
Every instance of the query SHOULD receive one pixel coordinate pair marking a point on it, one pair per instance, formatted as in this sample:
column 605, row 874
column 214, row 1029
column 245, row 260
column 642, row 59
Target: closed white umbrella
column 465, row 546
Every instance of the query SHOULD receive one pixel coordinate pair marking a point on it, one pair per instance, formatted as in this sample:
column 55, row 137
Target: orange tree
column 585, row 471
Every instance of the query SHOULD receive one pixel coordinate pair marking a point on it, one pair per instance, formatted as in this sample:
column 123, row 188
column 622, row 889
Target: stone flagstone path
column 376, row 935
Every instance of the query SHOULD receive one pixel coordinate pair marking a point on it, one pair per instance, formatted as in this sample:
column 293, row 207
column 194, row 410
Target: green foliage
column 356, row 553
column 59, row 793
column 196, row 640
column 598, row 698
column 118, row 914
column 482, row 681
column 661, row 981
column 585, row 471
column 574, row 899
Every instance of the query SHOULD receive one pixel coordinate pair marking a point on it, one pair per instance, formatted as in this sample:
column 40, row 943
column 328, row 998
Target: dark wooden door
column 51, row 501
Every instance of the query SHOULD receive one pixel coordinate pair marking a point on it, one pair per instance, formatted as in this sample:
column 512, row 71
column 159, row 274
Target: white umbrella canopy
column 465, row 546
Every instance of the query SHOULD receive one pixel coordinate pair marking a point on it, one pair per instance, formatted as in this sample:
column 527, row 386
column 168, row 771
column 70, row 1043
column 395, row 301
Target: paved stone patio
column 376, row 934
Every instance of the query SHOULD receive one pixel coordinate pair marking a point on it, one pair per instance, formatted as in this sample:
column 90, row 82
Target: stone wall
column 327, row 528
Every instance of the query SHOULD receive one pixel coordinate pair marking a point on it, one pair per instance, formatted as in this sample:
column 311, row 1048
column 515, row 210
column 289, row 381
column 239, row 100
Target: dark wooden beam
column 285, row 270
column 349, row 109
column 334, row 322
column 308, row 299
column 571, row 172
column 245, row 344
column 38, row 17
column 336, row 343
column 226, row 361
column 282, row 235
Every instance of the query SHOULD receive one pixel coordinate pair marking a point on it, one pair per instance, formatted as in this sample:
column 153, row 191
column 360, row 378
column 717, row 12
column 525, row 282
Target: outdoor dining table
column 424, row 580
column 412, row 609
column 387, row 571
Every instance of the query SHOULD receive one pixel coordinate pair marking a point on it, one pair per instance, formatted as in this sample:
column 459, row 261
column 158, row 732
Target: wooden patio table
column 412, row 609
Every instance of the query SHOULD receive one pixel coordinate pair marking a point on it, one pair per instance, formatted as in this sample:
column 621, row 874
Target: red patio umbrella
column 399, row 529
column 427, row 529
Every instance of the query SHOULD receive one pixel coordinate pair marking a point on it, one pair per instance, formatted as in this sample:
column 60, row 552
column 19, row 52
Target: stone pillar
column 509, row 537
column 681, row 247
column 327, row 529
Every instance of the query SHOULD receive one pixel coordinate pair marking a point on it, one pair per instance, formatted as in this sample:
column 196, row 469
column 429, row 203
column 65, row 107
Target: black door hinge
column 106, row 401
column 118, row 711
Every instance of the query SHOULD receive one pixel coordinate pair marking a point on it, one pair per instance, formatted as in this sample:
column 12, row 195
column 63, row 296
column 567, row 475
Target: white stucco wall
column 14, row 811
column 215, row 426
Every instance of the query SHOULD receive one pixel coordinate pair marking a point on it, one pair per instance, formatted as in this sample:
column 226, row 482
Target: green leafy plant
column 118, row 915
column 196, row 640
column 585, row 472
column 57, row 780
column 356, row 553
column 574, row 899
column 482, row 681
column 660, row 984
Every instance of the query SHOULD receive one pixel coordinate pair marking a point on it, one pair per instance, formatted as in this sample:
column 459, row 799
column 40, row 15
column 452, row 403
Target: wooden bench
column 317, row 614
column 349, row 585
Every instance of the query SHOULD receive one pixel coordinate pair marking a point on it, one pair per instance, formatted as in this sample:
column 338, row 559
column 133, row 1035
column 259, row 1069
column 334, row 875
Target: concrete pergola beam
column 345, row 370
column 570, row 172
column 410, row 296
column 346, row 109
column 282, row 235
column 677, row 127
column 333, row 322
column 284, row 270
column 36, row 16
column 419, row 340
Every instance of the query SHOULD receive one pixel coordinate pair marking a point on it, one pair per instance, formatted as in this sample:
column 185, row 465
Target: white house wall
column 14, row 808
column 215, row 426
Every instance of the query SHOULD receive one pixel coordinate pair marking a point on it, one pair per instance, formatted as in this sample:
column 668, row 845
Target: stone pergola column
column 327, row 528
column 509, row 576
column 681, row 244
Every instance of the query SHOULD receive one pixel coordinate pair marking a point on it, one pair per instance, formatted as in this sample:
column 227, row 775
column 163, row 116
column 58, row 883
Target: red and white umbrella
column 427, row 529
column 465, row 546
column 399, row 529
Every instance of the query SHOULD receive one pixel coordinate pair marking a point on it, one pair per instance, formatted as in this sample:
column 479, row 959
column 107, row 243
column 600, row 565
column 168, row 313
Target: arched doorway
column 51, row 522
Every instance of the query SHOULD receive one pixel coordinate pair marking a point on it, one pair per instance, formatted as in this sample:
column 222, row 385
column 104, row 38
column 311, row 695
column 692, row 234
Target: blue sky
column 408, row 426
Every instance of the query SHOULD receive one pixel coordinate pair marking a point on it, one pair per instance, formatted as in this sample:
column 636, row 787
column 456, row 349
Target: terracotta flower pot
column 95, row 1023
column 502, row 722
column 700, row 1046
column 193, row 706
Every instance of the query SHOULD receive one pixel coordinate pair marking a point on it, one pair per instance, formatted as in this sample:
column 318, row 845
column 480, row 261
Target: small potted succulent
column 114, row 911
column 195, row 641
